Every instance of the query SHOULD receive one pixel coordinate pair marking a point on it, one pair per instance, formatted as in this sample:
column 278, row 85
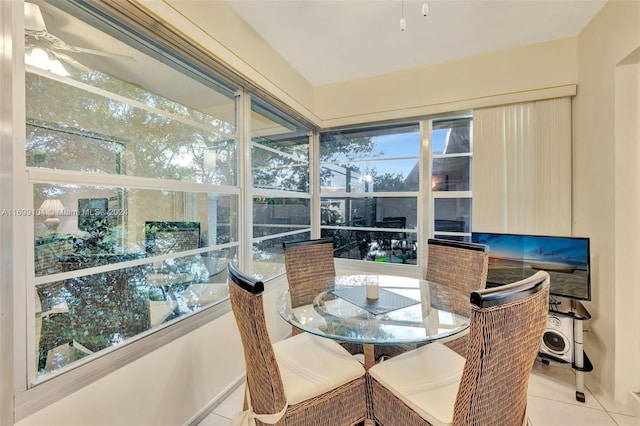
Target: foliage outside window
column 369, row 182
column 451, row 153
column 280, row 165
column 133, row 165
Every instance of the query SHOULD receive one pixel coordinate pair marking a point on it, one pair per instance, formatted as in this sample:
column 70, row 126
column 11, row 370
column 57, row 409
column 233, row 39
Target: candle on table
column 372, row 287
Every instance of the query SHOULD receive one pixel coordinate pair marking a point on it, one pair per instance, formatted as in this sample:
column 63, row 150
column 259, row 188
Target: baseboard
column 211, row 406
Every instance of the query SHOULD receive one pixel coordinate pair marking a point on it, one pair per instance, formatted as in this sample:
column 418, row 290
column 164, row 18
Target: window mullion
column 244, row 180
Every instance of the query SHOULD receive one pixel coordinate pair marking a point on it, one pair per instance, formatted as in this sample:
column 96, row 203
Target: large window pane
column 371, row 176
column 72, row 128
column 77, row 317
column 452, row 214
column 279, row 162
column 86, row 104
column 279, row 150
column 187, row 283
column 382, row 214
column 378, row 212
column 375, row 246
column 383, row 142
column 451, row 174
column 268, row 255
column 112, row 262
column 103, row 225
column 279, row 215
column 382, row 159
column 451, row 160
column 145, row 231
column 451, row 136
column 372, row 160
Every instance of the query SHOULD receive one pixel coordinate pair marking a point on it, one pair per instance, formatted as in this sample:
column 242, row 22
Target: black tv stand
column 581, row 363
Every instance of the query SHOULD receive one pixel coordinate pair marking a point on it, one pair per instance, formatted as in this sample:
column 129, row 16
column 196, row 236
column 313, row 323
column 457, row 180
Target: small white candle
column 372, row 288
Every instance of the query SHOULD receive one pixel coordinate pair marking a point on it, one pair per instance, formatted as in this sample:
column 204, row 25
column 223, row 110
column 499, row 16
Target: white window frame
column 380, row 267
column 436, row 195
column 31, row 396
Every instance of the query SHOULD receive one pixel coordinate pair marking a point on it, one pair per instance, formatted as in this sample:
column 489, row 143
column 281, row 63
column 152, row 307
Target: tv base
column 581, row 364
column 568, row 307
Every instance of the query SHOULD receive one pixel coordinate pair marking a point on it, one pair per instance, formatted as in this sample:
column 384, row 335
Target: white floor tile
column 551, row 402
column 215, row 420
column 623, row 420
column 558, row 383
column 232, row 405
column 545, row 412
column 614, row 407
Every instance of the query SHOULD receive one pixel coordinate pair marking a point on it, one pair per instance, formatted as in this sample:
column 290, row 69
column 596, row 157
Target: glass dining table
column 400, row 311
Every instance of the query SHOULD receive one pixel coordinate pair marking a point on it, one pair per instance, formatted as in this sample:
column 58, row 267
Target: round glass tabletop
column 406, row 310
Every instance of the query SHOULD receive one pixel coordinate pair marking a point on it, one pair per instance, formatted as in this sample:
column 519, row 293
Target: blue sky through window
column 438, row 140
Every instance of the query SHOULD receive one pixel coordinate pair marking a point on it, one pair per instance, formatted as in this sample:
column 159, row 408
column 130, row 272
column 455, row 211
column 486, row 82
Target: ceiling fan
column 37, row 36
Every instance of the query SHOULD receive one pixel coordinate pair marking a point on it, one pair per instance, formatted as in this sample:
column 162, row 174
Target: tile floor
column 551, row 403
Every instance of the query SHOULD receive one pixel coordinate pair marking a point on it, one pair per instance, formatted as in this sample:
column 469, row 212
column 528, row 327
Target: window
column 451, row 149
column 280, row 164
column 369, row 183
column 132, row 160
column 134, row 169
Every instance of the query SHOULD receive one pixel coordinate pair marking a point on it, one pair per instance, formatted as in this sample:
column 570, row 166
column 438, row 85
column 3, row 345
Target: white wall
column 515, row 75
column 599, row 190
column 627, row 269
column 526, row 73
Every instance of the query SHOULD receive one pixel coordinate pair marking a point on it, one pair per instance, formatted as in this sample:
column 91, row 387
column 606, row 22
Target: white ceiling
column 330, row 41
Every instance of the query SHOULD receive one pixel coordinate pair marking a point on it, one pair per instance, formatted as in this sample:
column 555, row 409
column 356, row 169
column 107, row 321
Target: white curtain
column 522, row 168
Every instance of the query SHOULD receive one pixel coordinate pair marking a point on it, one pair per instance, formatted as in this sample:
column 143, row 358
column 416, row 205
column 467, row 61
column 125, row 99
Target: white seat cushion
column 426, row 379
column 312, row 365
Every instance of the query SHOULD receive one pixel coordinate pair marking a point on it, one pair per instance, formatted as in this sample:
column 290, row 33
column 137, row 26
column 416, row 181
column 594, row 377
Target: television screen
column 513, row 257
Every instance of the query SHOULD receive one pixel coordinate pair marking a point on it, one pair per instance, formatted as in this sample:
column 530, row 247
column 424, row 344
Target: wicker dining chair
column 435, row 385
column 310, row 269
column 460, row 266
column 303, row 380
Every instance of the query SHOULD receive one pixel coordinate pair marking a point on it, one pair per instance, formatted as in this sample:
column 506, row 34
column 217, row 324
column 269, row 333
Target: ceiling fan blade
column 68, row 59
column 33, row 20
column 36, row 30
column 76, row 49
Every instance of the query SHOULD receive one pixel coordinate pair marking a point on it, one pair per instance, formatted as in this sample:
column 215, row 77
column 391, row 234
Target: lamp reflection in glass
column 52, row 208
column 440, row 182
column 38, row 57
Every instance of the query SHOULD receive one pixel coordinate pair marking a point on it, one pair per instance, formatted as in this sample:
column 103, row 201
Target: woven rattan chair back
column 263, row 375
column 458, row 265
column 310, row 269
column 507, row 324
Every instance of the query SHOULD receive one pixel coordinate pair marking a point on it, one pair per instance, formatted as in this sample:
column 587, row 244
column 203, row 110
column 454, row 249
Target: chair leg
column 369, row 421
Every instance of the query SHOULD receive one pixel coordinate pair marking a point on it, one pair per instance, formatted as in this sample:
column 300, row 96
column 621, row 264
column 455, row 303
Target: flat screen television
column 513, row 257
